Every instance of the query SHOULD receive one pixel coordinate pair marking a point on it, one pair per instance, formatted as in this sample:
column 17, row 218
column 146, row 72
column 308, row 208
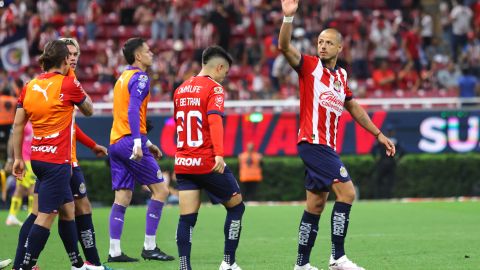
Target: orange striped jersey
column 130, row 98
column 48, row 101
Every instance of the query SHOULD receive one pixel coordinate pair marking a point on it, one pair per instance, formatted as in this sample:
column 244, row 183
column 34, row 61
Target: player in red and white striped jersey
column 324, row 93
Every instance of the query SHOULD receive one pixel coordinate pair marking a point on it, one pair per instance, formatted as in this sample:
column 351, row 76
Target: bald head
column 332, row 33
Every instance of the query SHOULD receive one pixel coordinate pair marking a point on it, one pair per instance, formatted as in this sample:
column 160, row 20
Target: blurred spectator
column 411, row 47
column 92, row 19
column 101, row 69
column 250, row 170
column 381, row 35
column 219, row 18
column 33, row 34
column 468, row 84
column 143, row 16
column 460, row 17
column 159, row 23
column 408, row 78
column 359, row 55
column 426, row 31
column 384, row 78
column 180, row 20
column 8, row 105
column 48, row 34
column 126, row 9
column 471, row 54
column 46, row 9
column 448, row 77
column 203, row 36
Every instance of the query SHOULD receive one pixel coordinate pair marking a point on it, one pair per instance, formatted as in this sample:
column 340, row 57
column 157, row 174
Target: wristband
column 137, row 142
column 288, row 19
column 148, row 143
column 378, row 134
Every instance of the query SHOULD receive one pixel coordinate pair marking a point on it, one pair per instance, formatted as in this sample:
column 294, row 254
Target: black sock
column 68, row 233
column 36, row 240
column 307, row 233
column 232, row 230
column 22, row 238
column 339, row 226
column 185, row 227
column 86, row 236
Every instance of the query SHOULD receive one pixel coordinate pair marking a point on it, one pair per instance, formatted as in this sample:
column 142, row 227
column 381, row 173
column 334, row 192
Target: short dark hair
column 130, row 47
column 215, row 51
column 53, row 55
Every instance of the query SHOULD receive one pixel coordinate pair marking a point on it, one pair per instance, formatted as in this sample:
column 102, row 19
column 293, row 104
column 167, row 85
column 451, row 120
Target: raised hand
column 289, row 7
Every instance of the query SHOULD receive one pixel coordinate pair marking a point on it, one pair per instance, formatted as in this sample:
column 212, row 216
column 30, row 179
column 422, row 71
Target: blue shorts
column 220, row 187
column 126, row 171
column 52, row 185
column 323, row 166
column 77, row 184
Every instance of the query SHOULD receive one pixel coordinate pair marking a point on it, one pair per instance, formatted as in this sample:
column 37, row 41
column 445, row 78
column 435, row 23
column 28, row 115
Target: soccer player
column 132, row 155
column 48, row 102
column 198, row 112
column 324, row 94
column 83, row 211
column 24, row 187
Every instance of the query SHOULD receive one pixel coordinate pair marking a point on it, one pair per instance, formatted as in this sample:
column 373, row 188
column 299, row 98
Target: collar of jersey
column 132, row 67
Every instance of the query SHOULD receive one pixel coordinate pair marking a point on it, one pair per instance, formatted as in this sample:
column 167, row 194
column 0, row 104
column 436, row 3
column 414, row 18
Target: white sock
column 115, row 249
column 150, row 242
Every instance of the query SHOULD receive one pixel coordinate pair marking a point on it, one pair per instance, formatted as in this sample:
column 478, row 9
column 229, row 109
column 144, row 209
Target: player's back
column 48, row 101
column 194, row 100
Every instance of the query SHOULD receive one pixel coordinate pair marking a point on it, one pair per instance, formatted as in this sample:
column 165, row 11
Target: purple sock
column 117, row 216
column 154, row 213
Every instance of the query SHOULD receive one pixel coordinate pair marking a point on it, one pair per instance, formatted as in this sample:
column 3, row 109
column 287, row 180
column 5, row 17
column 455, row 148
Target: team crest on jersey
column 337, row 85
column 343, row 171
column 219, row 101
column 82, row 188
column 142, row 81
column 159, row 174
column 218, row 90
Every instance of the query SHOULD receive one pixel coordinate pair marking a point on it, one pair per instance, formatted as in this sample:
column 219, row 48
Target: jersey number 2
column 189, row 128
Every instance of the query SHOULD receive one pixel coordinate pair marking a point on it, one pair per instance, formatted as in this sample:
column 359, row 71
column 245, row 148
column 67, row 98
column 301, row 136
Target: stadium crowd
column 391, row 48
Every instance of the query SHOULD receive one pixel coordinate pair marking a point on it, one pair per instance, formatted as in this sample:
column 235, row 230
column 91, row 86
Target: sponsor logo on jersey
column 343, row 172
column 330, row 100
column 188, row 161
column 44, row 148
column 218, row 90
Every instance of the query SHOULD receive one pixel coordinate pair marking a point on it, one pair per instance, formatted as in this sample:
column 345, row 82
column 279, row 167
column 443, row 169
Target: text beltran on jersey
column 187, row 102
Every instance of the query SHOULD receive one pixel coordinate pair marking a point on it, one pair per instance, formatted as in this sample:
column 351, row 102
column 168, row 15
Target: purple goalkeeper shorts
column 126, row 171
column 323, row 166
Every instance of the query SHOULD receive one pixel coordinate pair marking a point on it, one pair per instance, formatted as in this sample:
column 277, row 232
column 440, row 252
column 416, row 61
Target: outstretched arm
column 361, row 117
column 293, row 56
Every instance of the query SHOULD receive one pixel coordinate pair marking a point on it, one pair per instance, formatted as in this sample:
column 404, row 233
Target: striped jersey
column 323, row 93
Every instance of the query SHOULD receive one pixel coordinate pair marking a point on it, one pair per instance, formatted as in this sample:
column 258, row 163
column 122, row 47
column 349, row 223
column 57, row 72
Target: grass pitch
column 381, row 235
